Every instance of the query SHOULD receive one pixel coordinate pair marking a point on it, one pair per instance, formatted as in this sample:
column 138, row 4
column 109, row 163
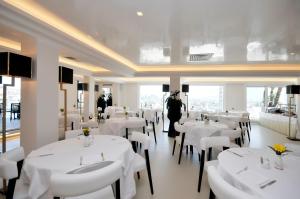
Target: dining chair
column 88, row 185
column 150, row 123
column 244, row 126
column 11, row 163
column 141, row 163
column 222, row 189
column 234, row 136
column 180, row 139
column 209, row 143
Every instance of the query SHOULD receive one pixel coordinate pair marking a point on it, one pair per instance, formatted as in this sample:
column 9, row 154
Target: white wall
column 129, row 95
column 235, row 97
column 71, row 94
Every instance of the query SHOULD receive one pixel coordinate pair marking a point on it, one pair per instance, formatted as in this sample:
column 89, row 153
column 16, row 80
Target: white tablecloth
column 117, row 126
column 198, row 129
column 287, row 180
column 66, row 157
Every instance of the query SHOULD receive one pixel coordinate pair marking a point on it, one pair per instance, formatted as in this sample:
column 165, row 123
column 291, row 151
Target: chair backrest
column 217, row 141
column 16, row 154
column 222, row 189
column 232, row 134
column 141, row 138
column 180, row 128
column 8, row 169
column 149, row 115
column 68, row 185
column 73, row 133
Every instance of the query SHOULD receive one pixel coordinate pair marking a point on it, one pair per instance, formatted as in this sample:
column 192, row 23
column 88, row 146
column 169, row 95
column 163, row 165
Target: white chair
column 90, row 185
column 180, row 139
column 89, row 124
column 209, row 143
column 222, row 189
column 234, row 136
column 11, row 164
column 141, row 163
column 150, row 123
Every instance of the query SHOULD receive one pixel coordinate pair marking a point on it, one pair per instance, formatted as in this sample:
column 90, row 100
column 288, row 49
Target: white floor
column 173, row 181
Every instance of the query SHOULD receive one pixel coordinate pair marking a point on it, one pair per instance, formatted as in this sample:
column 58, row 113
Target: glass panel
column 151, row 96
column 207, row 98
column 255, row 101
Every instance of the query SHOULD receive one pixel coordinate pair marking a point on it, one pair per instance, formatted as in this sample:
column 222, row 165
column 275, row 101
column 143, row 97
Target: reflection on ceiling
column 176, row 35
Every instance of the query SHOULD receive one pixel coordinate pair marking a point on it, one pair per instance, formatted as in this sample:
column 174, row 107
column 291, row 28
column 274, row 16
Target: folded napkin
column 240, row 151
column 254, row 178
column 91, row 159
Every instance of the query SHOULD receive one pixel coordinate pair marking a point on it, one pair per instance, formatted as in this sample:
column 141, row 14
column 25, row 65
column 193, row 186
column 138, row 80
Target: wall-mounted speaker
column 165, row 88
column 15, row 65
column 185, row 88
column 293, row 89
column 65, row 75
column 97, row 88
column 0, row 79
column 82, row 86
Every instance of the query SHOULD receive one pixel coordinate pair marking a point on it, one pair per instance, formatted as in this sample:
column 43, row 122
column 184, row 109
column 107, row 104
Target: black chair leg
column 118, row 192
column 149, row 171
column 181, row 147
column 248, row 134
column 187, row 149
column 201, row 169
column 191, row 149
column 138, row 175
column 239, row 142
column 209, row 154
column 11, row 188
column 174, row 146
column 154, row 133
column 211, row 194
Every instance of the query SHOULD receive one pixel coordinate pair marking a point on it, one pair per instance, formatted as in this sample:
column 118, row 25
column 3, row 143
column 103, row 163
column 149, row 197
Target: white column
column 92, row 95
column 39, row 96
column 116, row 93
column 174, row 83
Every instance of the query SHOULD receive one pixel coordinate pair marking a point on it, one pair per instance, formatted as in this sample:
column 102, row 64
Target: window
column 255, row 101
column 151, row 96
column 208, row 98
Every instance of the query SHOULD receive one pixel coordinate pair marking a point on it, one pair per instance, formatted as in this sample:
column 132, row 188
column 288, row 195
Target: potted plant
column 86, row 133
column 279, row 150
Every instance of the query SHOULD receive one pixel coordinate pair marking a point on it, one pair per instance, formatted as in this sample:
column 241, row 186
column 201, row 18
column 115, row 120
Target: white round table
column 64, row 156
column 198, row 129
column 120, row 126
column 232, row 168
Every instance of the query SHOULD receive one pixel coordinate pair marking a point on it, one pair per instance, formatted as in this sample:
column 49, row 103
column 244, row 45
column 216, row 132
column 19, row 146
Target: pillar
column 39, row 96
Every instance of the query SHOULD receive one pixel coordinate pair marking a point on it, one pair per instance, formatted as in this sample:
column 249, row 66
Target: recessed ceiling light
column 139, row 13
column 292, row 53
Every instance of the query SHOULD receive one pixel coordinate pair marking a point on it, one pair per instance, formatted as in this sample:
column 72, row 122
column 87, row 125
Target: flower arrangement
column 86, row 131
column 279, row 149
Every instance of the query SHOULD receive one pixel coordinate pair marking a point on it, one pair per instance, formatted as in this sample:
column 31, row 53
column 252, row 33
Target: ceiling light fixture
column 139, row 13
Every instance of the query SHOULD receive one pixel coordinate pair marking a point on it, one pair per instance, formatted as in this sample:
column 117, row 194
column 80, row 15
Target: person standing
column 109, row 100
column 174, row 105
column 101, row 102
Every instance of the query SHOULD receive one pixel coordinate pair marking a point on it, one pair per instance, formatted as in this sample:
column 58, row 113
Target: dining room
column 149, row 99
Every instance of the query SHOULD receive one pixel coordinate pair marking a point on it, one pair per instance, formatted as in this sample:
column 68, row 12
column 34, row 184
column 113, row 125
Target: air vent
column 200, row 57
column 71, row 58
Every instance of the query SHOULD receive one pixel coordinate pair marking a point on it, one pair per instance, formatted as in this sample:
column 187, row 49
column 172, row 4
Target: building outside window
column 206, row 98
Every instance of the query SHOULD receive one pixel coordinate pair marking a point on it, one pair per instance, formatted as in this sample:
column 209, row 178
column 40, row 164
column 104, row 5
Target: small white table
column 117, row 126
column 287, row 180
column 64, row 156
column 198, row 129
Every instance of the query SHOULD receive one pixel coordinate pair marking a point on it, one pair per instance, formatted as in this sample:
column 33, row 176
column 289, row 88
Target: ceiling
column 236, row 32
column 194, row 37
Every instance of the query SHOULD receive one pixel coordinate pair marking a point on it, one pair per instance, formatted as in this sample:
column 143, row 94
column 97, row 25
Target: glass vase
column 279, row 162
column 86, row 141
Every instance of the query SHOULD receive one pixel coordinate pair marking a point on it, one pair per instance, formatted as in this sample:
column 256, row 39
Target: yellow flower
column 280, row 148
column 86, row 131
